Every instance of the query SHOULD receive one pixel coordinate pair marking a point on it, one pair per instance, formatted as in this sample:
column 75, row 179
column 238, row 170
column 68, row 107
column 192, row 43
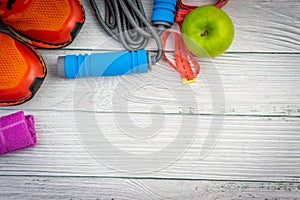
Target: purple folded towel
column 16, row 132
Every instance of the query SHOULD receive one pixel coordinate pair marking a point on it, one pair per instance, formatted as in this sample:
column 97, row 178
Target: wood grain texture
column 248, row 84
column 36, row 188
column 247, row 148
column 257, row 79
column 261, row 26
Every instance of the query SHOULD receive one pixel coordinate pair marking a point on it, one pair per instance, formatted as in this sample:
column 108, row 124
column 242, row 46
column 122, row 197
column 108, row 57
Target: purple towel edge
column 29, row 119
column 31, row 127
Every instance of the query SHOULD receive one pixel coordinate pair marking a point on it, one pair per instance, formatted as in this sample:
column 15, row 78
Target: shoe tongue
column 10, row 7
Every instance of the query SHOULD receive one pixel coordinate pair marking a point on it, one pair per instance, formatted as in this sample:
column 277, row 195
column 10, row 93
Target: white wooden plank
column 32, row 188
column 248, row 148
column 262, row 148
column 253, row 84
column 261, row 26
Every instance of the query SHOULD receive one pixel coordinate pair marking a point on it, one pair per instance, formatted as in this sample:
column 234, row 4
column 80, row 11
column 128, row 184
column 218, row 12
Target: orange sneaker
column 43, row 23
column 22, row 71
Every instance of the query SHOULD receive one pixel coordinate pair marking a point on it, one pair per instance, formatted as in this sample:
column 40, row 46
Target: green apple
column 208, row 31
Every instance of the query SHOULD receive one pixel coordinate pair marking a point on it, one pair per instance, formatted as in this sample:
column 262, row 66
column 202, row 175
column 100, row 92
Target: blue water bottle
column 164, row 12
column 103, row 64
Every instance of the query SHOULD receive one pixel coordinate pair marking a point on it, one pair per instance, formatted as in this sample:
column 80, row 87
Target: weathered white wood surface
column 253, row 84
column 261, row 26
column 248, row 148
column 258, row 79
column 36, row 188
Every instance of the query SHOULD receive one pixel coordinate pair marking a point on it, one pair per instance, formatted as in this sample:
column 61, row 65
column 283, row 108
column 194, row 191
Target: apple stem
column 205, row 33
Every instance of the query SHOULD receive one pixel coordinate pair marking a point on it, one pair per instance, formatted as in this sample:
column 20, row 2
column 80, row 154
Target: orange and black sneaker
column 43, row 23
column 22, row 71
